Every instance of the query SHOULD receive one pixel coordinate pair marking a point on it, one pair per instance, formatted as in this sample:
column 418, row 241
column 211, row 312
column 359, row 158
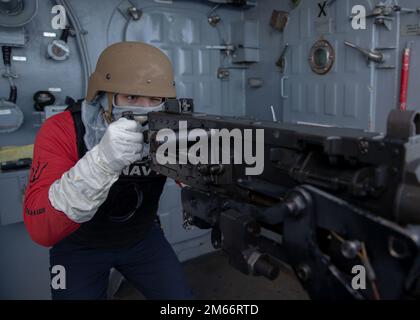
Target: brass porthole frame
column 330, row 59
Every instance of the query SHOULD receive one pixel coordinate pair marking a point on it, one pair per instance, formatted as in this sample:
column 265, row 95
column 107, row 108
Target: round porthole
column 321, row 57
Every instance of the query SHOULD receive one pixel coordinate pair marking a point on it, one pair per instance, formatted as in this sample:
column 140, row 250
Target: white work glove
column 82, row 189
column 121, row 145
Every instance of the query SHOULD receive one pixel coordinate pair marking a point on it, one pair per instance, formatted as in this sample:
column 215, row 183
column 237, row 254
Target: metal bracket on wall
column 223, row 73
column 294, row 3
column 389, row 56
column 281, row 62
column 282, row 94
column 279, row 20
column 129, row 10
column 255, row 82
column 14, row 37
column 227, row 49
column 9, row 74
column 214, row 20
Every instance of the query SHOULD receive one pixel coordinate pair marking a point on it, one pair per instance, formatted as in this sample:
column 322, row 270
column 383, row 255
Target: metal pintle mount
column 402, row 124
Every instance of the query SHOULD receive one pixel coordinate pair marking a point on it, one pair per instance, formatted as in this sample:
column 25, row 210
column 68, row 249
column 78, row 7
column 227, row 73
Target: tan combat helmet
column 133, row 68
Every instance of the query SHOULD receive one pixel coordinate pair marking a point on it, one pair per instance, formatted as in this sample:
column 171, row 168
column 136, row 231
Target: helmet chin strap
column 108, row 114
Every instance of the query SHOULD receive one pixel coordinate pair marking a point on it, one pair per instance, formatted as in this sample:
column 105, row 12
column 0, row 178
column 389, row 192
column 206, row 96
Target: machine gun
column 335, row 204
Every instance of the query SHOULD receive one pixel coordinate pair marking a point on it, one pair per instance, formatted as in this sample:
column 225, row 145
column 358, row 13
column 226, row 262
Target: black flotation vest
column 131, row 206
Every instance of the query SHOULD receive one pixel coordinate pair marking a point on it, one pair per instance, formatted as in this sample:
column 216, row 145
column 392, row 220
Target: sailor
column 91, row 195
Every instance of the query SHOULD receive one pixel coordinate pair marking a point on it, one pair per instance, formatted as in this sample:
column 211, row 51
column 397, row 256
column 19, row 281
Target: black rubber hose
column 13, row 94
column 7, row 55
column 65, row 34
column 7, row 58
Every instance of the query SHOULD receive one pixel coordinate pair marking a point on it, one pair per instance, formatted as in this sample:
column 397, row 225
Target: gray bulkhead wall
column 181, row 29
column 354, row 93
column 259, row 99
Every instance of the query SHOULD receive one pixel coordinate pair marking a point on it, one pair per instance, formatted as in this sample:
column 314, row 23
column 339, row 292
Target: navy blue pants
column 151, row 266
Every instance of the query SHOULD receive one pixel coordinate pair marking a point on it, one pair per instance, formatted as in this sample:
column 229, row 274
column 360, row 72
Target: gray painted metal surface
column 354, row 93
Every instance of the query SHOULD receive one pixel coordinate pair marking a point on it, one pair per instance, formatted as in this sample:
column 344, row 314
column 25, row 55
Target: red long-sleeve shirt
column 55, row 152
